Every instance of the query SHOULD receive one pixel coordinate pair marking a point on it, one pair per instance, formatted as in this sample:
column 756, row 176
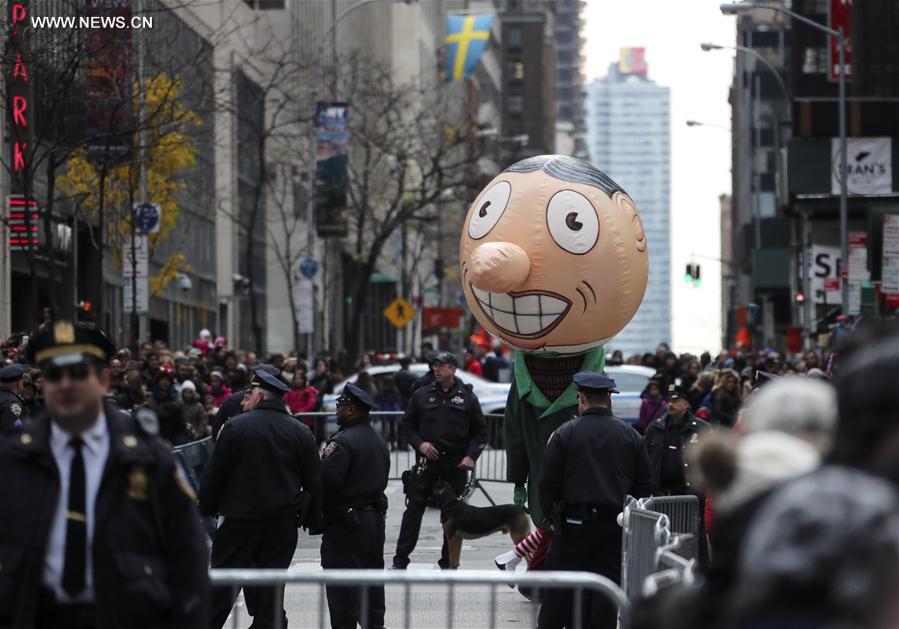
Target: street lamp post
column 735, row 8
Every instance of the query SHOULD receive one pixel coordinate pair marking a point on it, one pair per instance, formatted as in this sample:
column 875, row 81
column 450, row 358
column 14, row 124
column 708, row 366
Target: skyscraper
column 628, row 136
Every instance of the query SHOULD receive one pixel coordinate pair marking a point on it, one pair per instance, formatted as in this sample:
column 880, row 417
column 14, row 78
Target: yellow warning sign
column 399, row 312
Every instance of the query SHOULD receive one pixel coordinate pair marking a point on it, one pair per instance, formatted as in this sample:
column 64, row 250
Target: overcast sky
column 671, row 32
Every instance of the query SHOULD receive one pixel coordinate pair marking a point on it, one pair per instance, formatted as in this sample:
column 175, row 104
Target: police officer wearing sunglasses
column 355, row 466
column 97, row 527
column 263, row 461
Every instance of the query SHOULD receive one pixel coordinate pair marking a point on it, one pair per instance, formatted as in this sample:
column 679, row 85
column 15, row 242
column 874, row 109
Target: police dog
column 463, row 521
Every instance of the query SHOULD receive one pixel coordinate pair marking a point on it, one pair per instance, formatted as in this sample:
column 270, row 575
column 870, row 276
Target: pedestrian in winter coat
column 652, row 407
column 302, row 398
column 218, row 389
column 725, row 399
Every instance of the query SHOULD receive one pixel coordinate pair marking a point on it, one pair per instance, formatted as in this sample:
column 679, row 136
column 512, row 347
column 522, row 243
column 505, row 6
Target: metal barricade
column 422, row 584
column 643, row 533
column 682, row 511
column 490, row 466
column 192, row 458
column 675, row 565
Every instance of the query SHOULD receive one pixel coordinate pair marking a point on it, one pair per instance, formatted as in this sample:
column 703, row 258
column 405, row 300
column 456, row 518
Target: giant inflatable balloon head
column 553, row 256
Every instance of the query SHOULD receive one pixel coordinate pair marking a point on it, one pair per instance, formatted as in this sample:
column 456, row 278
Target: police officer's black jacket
column 149, row 547
column 593, row 460
column 230, row 408
column 451, row 420
column 262, row 460
column 12, row 408
column 689, row 431
column 355, row 467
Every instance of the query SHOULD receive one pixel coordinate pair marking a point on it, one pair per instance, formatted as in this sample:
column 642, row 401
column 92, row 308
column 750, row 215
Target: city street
column 471, row 606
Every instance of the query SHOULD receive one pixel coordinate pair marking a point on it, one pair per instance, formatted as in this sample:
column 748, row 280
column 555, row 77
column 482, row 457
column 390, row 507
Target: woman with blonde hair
column 725, row 399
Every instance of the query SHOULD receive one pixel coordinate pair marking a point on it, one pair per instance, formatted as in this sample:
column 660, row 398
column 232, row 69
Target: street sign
column 831, row 284
column 146, row 217
column 309, row 268
column 399, row 312
column 141, row 255
column 840, row 14
column 143, row 295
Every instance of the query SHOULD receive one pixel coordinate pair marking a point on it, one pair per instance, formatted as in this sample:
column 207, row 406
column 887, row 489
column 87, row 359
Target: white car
column 630, row 381
column 492, row 395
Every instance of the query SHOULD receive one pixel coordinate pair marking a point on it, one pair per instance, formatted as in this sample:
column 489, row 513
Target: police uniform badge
column 64, row 333
column 329, row 449
column 137, row 483
column 16, row 409
column 458, row 399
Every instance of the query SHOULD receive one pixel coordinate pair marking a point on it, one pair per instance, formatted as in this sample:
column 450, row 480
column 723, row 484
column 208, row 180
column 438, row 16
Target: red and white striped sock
column 529, row 544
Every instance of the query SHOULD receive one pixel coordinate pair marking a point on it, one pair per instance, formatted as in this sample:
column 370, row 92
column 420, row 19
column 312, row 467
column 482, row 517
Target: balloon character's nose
column 498, row 267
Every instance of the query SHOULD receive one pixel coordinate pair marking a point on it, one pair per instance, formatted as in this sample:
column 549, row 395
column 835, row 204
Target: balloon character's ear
column 626, row 205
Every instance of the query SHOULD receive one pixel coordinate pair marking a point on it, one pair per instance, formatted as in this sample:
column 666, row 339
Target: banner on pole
column 331, row 154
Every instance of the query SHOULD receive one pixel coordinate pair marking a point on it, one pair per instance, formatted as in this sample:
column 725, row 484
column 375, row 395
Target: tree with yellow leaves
column 107, row 189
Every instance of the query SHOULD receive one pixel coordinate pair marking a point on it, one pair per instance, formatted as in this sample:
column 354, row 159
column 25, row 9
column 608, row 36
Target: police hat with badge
column 356, row 396
column 591, row 382
column 675, row 392
column 64, row 344
column 265, row 377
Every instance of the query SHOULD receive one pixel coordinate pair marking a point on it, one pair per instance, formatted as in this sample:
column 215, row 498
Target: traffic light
column 691, row 276
column 800, row 297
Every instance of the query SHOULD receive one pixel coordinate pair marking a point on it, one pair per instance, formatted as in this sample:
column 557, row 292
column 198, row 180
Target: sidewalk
column 428, row 604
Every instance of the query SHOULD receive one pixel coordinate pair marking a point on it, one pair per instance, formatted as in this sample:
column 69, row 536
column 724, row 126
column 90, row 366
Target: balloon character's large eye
column 489, row 209
column 572, row 222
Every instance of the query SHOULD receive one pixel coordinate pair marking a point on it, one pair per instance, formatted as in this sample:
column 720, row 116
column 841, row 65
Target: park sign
column 19, row 96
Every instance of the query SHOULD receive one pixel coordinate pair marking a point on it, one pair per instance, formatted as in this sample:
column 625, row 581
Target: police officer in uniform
column 355, row 466
column 13, row 413
column 98, row 528
column 264, row 459
column 589, row 465
column 445, row 425
column 233, row 404
column 666, row 438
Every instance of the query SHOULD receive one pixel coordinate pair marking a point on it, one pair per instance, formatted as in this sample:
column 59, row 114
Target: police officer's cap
column 265, row 379
column 447, row 357
column 65, row 343
column 12, row 373
column 675, row 392
column 358, row 396
column 594, row 382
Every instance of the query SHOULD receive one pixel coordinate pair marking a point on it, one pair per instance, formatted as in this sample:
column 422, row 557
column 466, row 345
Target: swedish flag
column 466, row 39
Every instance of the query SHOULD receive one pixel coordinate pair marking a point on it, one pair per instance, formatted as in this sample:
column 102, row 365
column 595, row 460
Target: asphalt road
column 430, row 605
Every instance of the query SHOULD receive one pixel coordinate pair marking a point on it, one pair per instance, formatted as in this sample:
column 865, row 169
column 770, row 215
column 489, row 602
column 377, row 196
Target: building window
column 514, row 104
column 514, row 36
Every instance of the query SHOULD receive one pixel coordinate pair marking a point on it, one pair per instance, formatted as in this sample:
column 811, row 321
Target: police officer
column 98, row 529
column 589, row 465
column 13, row 411
column 666, row 439
column 355, row 466
column 264, row 459
column 445, row 425
column 233, row 404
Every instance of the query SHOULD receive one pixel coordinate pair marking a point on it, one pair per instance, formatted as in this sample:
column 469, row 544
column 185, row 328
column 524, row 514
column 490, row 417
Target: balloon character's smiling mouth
column 527, row 314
